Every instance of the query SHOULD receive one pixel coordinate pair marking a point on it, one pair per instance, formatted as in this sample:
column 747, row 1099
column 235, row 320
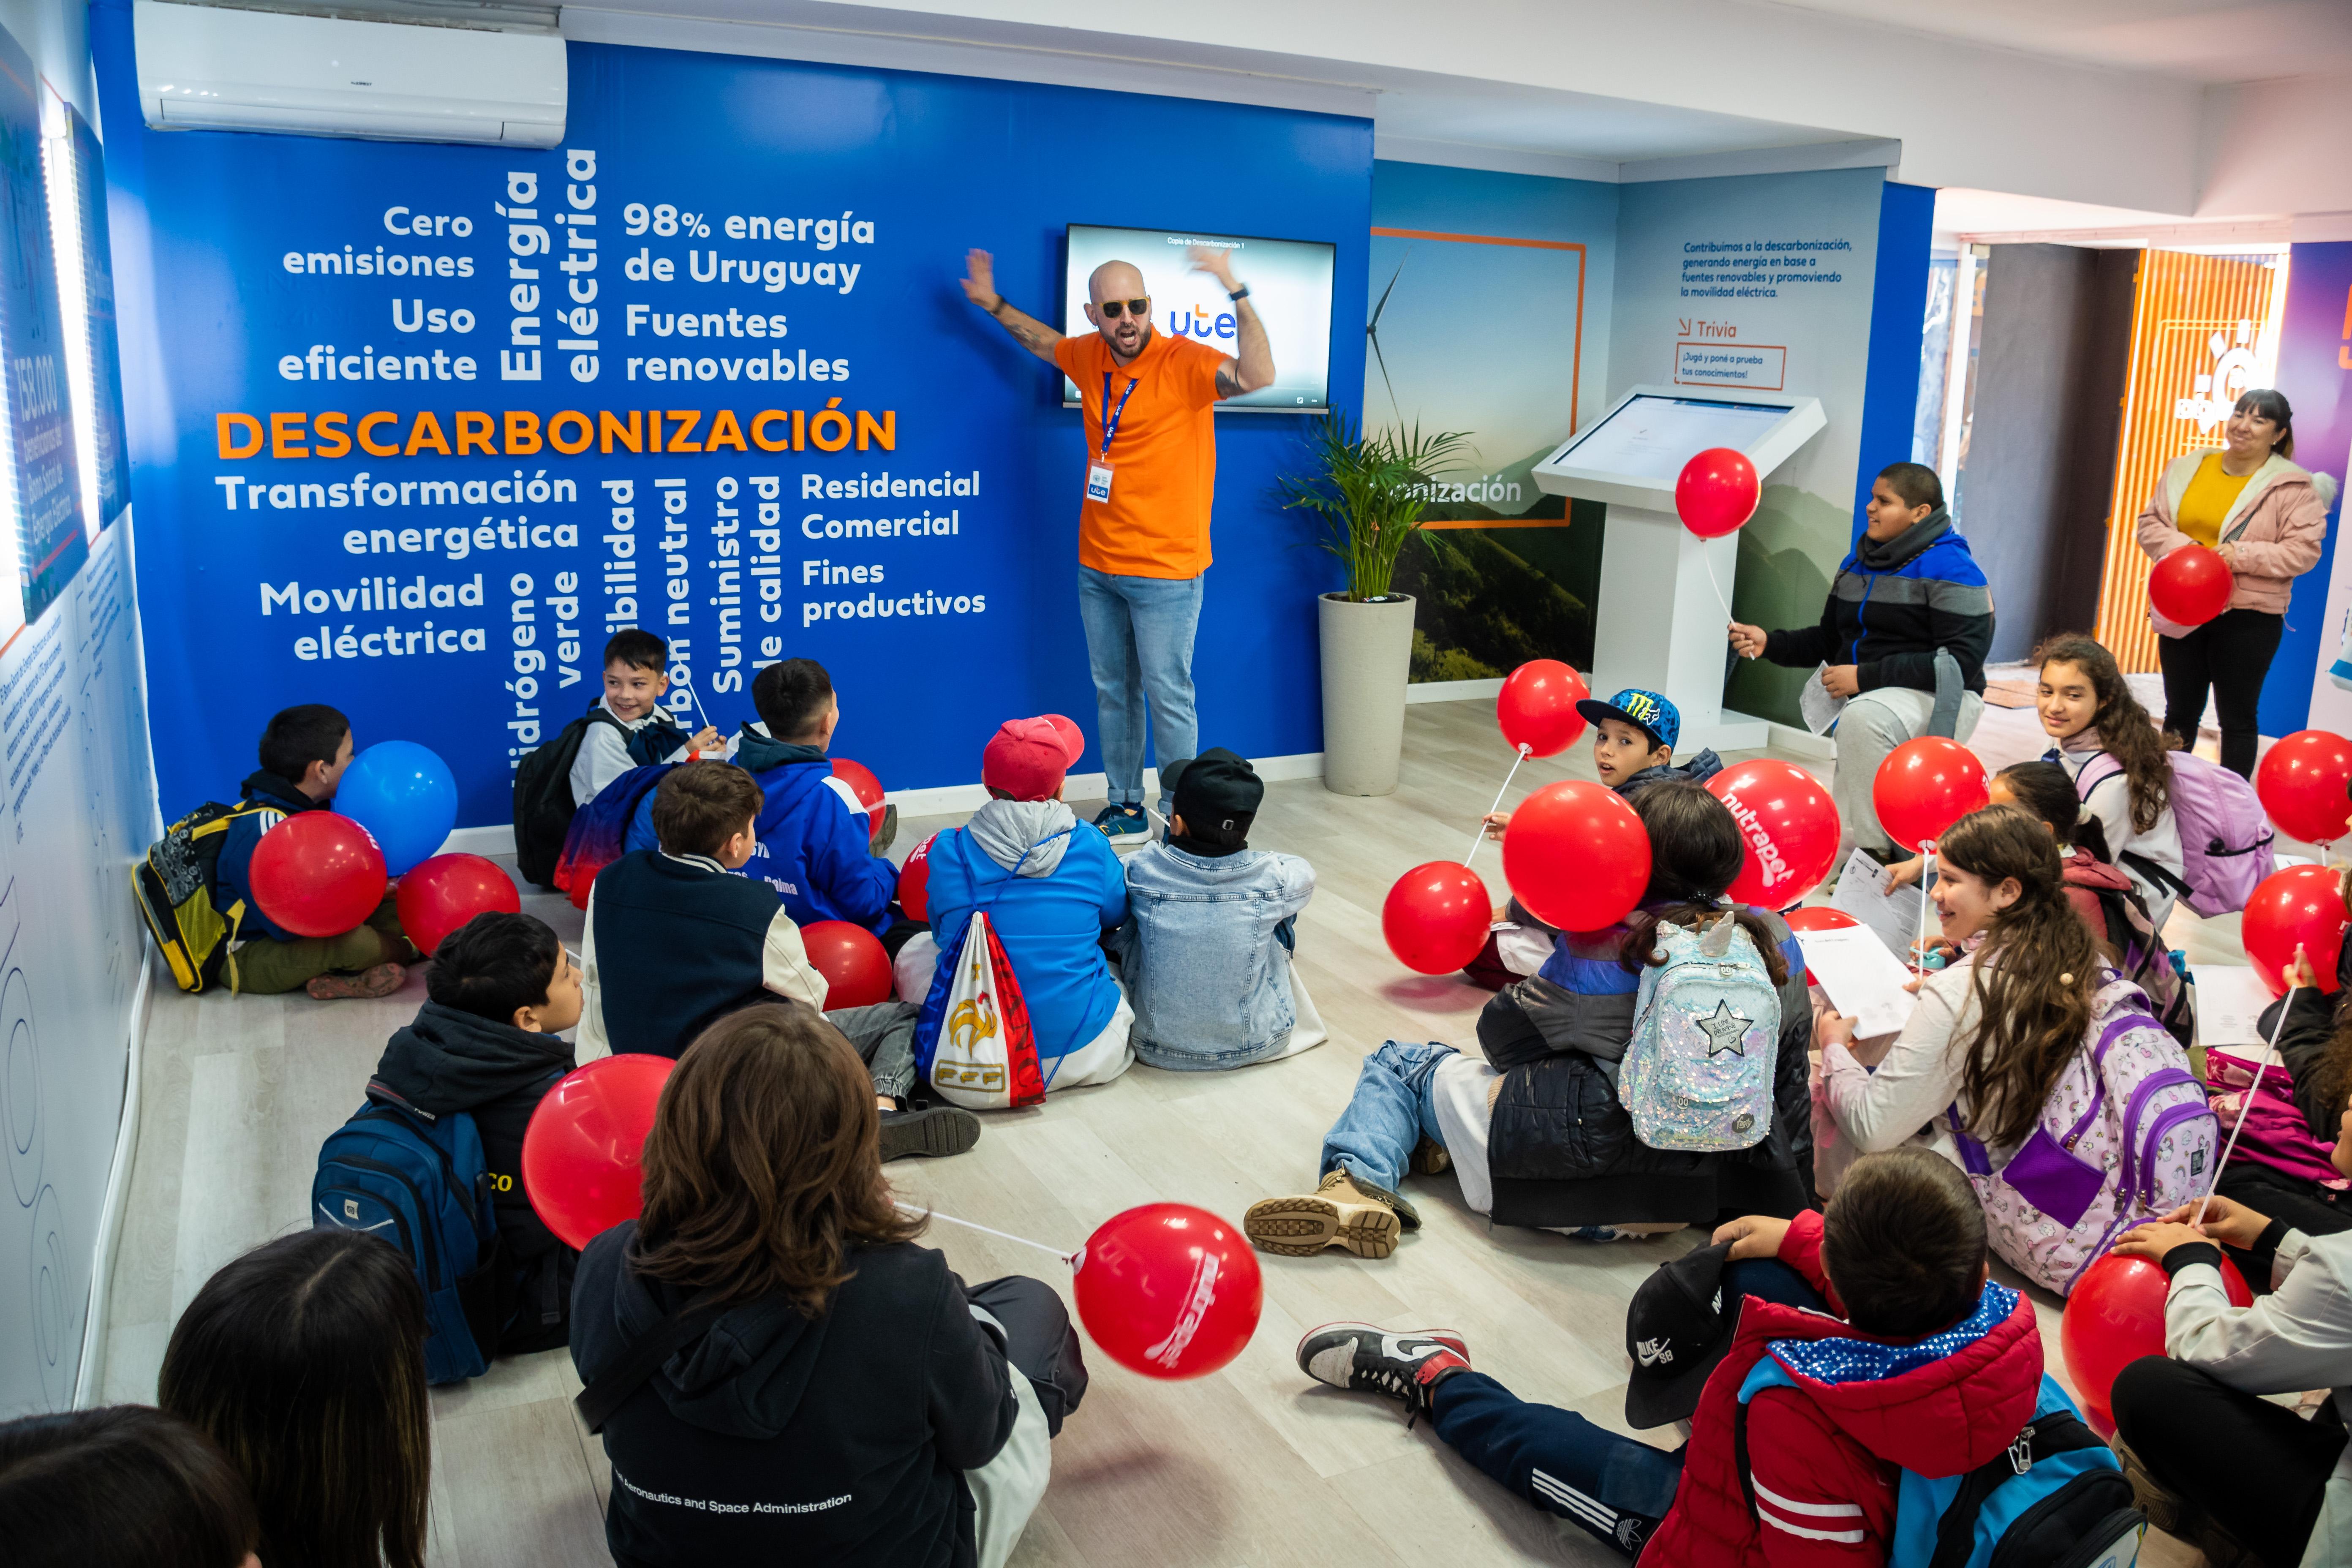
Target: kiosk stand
column 1659, row 622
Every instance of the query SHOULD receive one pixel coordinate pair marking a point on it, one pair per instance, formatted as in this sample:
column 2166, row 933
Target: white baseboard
column 90, row 1376
column 940, row 800
column 1451, row 691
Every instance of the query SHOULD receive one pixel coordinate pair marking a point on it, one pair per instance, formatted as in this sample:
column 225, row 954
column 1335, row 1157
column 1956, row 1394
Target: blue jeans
column 1393, row 1108
column 1616, row 1487
column 1140, row 644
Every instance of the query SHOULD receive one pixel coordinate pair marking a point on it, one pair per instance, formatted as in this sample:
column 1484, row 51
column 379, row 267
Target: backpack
column 2055, row 1497
column 2277, row 1133
column 177, row 888
column 420, row 1182
column 1698, row 1074
column 2225, row 838
column 2134, row 1139
column 543, row 807
column 2146, row 962
column 599, row 831
column 973, row 1044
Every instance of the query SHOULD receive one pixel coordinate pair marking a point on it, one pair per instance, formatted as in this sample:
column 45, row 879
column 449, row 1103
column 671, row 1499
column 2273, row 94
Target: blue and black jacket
column 817, row 842
column 233, row 873
column 1891, row 606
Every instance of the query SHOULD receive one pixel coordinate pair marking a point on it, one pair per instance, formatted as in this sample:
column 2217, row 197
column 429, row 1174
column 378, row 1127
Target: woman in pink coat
column 2266, row 518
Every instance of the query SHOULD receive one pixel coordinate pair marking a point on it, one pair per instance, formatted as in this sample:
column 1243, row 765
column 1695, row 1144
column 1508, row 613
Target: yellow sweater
column 2208, row 501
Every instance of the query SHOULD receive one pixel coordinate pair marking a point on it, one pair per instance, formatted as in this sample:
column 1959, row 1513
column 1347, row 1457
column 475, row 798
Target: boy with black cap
column 1211, row 927
column 1808, row 1429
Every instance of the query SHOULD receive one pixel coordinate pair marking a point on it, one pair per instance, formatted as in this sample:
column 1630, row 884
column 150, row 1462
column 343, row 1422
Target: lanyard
column 1110, row 414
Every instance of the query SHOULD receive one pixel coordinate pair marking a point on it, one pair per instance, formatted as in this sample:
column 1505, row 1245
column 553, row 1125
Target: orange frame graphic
column 1576, row 367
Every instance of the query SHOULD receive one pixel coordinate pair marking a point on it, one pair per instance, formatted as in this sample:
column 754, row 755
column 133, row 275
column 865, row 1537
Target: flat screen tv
column 1290, row 282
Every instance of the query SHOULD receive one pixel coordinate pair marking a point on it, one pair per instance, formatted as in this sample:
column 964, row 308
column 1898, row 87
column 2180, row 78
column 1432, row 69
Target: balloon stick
column 686, row 678
column 2246, row 1105
column 1001, row 1235
column 1919, row 938
column 1480, row 836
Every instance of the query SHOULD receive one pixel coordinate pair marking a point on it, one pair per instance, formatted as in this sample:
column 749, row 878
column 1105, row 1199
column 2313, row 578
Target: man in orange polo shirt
column 1143, row 520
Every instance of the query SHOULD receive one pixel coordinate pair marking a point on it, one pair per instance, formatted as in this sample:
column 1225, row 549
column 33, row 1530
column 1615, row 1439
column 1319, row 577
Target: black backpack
column 542, row 798
column 2086, row 1521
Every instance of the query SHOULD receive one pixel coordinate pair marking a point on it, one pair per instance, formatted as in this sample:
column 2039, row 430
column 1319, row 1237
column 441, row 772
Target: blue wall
column 1898, row 308
column 937, row 163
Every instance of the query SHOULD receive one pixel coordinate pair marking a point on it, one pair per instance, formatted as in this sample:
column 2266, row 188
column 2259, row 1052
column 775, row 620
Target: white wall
column 1966, row 115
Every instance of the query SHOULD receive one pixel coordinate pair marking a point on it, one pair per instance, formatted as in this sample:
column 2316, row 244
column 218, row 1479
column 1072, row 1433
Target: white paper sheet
column 1864, row 980
column 2229, row 1002
column 1863, row 892
column 1816, row 706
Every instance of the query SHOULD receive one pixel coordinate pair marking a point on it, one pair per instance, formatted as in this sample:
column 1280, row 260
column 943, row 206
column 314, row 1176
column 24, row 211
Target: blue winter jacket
column 1051, row 918
column 233, row 873
column 1893, row 606
column 815, row 839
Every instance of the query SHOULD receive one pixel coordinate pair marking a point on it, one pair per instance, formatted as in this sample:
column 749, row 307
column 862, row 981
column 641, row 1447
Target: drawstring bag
column 973, row 1042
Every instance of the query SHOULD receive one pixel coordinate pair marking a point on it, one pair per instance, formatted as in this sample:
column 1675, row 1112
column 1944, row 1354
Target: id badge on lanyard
column 1098, row 471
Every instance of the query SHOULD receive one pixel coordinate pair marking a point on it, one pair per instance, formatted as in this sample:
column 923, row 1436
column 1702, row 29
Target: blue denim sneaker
column 1119, row 822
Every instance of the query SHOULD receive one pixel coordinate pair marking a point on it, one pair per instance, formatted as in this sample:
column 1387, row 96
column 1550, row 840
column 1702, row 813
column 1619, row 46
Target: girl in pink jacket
column 2267, row 518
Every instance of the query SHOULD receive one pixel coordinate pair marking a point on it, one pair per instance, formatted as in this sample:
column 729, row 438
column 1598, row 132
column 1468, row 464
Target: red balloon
column 1436, row 917
column 318, row 874
column 1716, row 491
column 582, row 1149
column 2301, row 782
column 437, row 896
column 915, row 881
column 1818, row 917
column 864, row 785
column 1577, row 856
column 1537, row 706
column 856, row 971
column 1925, row 785
column 2191, row 586
column 2302, row 905
column 2113, row 1317
column 1169, row 1290
column 1791, row 824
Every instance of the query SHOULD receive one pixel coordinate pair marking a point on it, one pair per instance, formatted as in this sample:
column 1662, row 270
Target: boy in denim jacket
column 1206, row 947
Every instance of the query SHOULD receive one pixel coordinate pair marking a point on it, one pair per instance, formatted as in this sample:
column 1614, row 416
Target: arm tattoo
column 1226, row 386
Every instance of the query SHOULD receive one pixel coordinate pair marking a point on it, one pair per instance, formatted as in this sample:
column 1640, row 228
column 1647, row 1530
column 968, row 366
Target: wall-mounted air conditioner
column 207, row 68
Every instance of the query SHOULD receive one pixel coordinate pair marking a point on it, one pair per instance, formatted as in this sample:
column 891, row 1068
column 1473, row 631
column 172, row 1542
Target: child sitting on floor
column 1537, row 1133
column 1211, row 927
column 1811, row 1436
column 632, row 729
column 303, row 755
column 1633, row 736
column 489, row 1041
column 817, row 839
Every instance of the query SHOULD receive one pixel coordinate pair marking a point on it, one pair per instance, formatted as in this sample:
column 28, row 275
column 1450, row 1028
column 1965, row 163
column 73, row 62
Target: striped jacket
column 1891, row 606
column 1832, row 1419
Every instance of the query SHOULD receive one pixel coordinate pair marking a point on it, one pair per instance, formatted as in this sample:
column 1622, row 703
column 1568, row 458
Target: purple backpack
column 2225, row 839
column 2124, row 1135
column 2276, row 1134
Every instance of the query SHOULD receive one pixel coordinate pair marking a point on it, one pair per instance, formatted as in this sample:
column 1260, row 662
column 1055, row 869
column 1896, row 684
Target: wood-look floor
column 1254, row 1465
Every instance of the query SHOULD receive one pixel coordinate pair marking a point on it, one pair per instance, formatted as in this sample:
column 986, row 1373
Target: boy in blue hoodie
column 816, row 838
column 303, row 755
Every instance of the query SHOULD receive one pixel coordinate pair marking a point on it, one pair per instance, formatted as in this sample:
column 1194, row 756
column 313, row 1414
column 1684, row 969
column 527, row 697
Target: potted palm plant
column 1367, row 490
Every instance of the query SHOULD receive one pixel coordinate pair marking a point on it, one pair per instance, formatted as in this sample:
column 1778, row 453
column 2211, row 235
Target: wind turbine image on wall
column 1372, row 332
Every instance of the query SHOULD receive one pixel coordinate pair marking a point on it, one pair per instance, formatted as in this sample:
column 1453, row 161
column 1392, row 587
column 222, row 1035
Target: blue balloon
column 405, row 796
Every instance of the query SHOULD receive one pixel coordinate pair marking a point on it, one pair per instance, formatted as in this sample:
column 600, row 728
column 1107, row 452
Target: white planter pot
column 1367, row 656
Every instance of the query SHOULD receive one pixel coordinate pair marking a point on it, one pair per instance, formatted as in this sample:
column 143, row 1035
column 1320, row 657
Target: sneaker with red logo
column 1406, row 1365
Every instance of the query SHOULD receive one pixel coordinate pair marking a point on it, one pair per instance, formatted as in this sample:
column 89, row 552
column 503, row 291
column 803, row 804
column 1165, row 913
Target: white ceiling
column 2198, row 40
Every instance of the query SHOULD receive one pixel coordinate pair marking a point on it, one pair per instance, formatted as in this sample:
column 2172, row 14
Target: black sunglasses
column 1136, row 308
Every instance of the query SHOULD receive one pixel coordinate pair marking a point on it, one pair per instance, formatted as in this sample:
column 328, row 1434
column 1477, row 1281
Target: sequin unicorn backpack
column 2124, row 1136
column 1706, row 1030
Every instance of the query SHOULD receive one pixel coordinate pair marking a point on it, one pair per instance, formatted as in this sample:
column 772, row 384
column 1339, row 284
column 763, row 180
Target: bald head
column 1115, row 280
column 1119, row 307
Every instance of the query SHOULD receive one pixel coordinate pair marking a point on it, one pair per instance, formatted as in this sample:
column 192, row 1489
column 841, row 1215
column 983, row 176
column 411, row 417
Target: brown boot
column 1336, row 1214
column 382, row 980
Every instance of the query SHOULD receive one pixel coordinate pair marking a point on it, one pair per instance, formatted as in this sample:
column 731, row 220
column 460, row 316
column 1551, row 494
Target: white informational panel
column 73, row 713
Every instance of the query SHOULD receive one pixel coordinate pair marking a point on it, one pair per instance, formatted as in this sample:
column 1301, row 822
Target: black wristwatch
column 1239, row 294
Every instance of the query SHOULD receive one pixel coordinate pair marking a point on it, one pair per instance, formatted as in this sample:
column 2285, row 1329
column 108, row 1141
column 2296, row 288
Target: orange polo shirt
column 1163, row 457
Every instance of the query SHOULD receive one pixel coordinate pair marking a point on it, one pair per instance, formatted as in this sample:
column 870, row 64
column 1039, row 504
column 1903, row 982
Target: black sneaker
column 928, row 1129
column 1364, row 1358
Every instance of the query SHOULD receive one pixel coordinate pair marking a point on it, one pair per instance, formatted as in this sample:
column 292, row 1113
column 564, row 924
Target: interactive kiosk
column 1659, row 622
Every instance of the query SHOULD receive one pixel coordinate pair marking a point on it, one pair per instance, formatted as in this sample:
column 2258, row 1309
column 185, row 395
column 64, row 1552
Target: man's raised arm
column 1253, row 366
column 980, row 287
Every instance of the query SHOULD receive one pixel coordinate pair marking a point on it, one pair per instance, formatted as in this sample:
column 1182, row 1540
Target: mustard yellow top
column 2208, row 500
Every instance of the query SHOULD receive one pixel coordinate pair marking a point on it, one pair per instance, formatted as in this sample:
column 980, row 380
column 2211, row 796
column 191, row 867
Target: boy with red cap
column 1051, row 886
